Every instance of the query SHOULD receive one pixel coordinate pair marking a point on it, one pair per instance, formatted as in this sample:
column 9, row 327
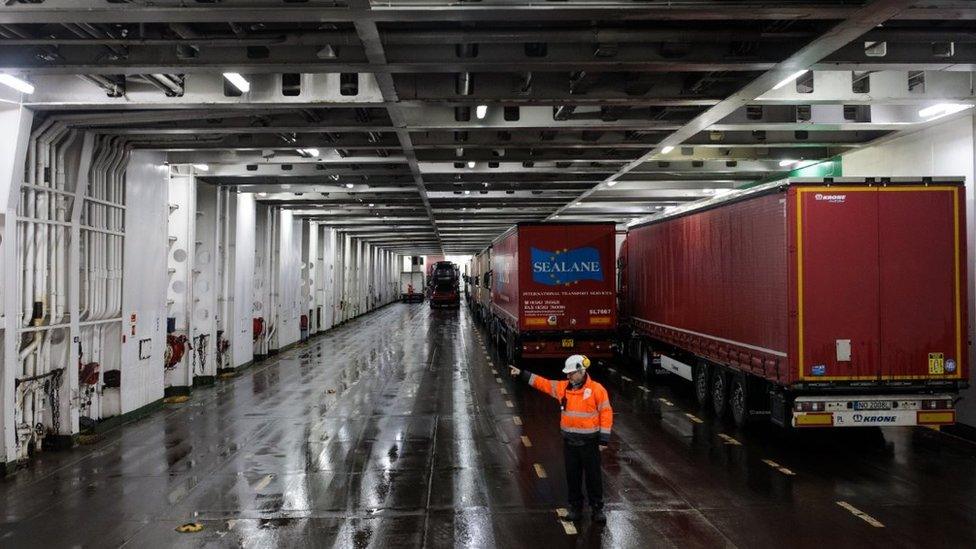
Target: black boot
column 599, row 516
column 575, row 514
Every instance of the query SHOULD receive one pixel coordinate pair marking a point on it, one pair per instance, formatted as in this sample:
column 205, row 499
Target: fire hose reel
column 257, row 327
column 175, row 349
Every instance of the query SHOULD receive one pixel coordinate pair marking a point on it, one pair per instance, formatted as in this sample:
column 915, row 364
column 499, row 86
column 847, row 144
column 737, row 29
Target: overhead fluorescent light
column 471, row 163
column 721, row 192
column 371, row 204
column 670, row 209
column 937, row 111
column 707, row 191
column 238, row 81
column 349, row 185
column 790, row 78
column 263, row 195
column 787, row 162
column 611, row 183
column 667, row 149
column 12, row 81
column 202, row 167
column 309, row 152
column 481, row 111
column 467, row 192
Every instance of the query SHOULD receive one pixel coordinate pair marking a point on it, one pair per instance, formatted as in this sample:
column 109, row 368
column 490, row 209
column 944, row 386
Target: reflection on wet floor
column 400, row 430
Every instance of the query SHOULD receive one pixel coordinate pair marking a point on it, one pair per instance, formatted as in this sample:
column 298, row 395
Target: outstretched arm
column 547, row 386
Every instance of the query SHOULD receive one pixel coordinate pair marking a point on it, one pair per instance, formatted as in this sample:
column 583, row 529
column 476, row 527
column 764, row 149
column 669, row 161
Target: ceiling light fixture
column 467, row 192
column 12, row 81
column 481, row 111
column 667, row 149
column 790, row 78
column 349, row 185
column 787, row 162
column 202, row 167
column 611, row 183
column 935, row 112
column 238, row 81
column 263, row 195
column 309, row 152
column 471, row 163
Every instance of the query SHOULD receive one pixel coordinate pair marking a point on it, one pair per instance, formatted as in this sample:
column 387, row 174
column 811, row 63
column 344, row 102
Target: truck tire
column 720, row 392
column 702, row 385
column 738, row 401
column 647, row 362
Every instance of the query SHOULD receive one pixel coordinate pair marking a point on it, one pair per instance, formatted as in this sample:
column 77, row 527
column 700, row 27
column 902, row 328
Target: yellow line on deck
column 568, row 527
column 517, row 420
column 861, row 514
column 526, row 442
column 778, row 467
column 504, row 392
column 509, row 404
column 498, row 380
column 540, row 471
column 627, row 379
column 263, row 483
column 694, row 418
column 729, row 440
column 666, row 401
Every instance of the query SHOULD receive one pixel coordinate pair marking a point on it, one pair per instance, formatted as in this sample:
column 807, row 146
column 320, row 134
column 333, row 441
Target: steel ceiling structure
column 439, row 124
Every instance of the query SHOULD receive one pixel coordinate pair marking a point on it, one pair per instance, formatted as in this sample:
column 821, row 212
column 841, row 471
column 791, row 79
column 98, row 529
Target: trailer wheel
column 647, row 361
column 701, row 384
column 738, row 403
column 720, row 392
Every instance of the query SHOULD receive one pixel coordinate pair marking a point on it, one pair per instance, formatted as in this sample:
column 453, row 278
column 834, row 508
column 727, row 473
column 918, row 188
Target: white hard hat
column 576, row 363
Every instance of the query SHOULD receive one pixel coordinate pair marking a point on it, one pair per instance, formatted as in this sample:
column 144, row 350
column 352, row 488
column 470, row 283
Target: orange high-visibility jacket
column 586, row 411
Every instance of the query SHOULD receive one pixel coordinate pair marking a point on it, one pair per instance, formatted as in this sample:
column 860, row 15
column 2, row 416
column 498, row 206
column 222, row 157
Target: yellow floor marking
column 526, row 442
column 263, row 483
column 627, row 379
column 504, row 392
column 645, row 389
column 498, row 380
column 729, row 440
column 517, row 420
column 568, row 527
column 778, row 467
column 666, row 401
column 509, row 404
column 694, row 418
column 611, row 370
column 861, row 514
column 540, row 471
column 179, row 399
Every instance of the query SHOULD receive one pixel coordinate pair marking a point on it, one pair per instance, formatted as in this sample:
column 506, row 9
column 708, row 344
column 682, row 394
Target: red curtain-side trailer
column 553, row 290
column 818, row 302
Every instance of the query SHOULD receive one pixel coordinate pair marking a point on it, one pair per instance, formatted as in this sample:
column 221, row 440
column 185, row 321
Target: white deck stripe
column 746, row 345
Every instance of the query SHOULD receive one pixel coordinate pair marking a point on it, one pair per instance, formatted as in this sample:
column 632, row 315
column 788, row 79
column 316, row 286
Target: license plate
column 567, row 343
column 872, row 405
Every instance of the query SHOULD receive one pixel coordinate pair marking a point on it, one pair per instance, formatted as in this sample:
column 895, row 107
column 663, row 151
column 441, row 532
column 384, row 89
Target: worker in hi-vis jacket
column 585, row 421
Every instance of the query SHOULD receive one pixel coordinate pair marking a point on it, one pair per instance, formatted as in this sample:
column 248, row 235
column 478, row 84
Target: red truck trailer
column 553, row 290
column 838, row 302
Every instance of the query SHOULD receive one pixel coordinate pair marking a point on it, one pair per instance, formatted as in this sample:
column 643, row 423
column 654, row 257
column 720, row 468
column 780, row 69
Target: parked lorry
column 479, row 284
column 445, row 285
column 411, row 286
column 818, row 303
column 553, row 290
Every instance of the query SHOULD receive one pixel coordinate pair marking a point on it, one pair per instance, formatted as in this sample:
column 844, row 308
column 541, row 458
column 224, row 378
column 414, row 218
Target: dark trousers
column 582, row 460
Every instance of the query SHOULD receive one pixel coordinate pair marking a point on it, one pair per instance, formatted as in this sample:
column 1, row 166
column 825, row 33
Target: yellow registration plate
column 567, row 343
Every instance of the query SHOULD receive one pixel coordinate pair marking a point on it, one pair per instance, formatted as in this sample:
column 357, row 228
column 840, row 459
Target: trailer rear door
column 839, row 333
column 921, row 301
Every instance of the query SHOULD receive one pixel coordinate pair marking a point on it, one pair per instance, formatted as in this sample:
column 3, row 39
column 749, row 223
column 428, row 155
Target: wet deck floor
column 396, row 431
